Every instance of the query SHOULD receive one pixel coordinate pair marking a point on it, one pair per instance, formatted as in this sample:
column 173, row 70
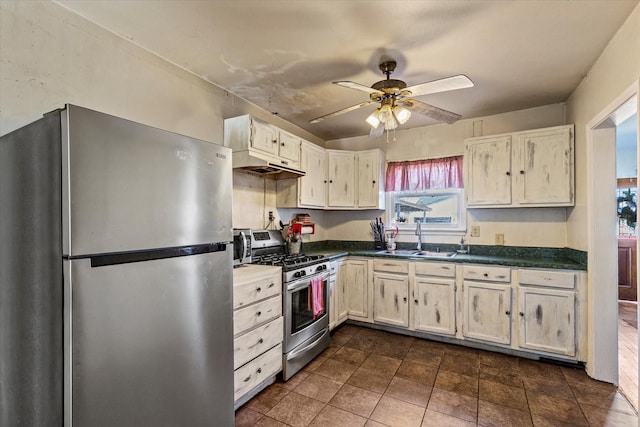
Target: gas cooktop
column 288, row 261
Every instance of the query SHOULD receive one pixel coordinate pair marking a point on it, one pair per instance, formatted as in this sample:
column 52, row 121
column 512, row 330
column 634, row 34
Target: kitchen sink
column 415, row 253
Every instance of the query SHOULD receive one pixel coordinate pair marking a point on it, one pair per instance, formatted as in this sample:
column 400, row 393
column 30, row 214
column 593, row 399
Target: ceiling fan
column 396, row 104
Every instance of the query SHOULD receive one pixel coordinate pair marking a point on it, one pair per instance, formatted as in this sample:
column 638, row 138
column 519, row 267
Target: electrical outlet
column 500, row 239
column 475, row 231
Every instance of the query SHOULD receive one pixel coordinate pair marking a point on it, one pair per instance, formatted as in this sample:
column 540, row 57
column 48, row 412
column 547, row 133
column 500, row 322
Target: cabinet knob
column 508, row 313
column 282, row 145
column 521, row 314
column 275, row 141
column 486, row 274
column 521, row 172
column 415, row 300
column 260, row 341
column 508, row 173
column 259, row 370
column 330, row 181
column 374, row 182
column 405, row 299
column 325, row 181
column 258, row 289
column 258, row 313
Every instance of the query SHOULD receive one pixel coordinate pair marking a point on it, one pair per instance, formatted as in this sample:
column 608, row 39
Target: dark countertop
column 517, row 257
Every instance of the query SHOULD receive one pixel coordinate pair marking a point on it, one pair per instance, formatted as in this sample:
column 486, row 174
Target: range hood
column 261, row 164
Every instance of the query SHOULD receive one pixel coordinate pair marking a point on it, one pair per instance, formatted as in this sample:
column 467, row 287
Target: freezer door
column 149, row 343
column 128, row 186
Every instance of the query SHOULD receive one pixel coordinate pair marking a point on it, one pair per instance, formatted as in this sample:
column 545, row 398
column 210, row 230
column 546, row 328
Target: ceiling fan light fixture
column 402, row 114
column 373, row 119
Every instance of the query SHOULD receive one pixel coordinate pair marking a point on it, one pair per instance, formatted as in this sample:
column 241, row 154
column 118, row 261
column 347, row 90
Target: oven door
column 300, row 321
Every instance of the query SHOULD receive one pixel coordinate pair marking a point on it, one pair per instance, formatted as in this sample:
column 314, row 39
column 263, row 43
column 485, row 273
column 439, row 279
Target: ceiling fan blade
column 442, row 85
column 356, row 86
column 430, row 111
column 344, row 110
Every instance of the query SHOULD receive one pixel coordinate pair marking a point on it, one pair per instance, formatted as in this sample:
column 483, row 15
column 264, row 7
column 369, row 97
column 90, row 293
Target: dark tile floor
column 374, row 378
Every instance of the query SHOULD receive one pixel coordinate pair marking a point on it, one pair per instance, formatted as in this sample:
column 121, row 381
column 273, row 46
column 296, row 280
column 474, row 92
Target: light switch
column 500, row 239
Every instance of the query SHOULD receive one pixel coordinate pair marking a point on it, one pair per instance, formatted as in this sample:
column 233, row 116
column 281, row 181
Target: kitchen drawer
column 256, row 342
column 390, row 266
column 486, row 273
column 440, row 269
column 552, row 279
column 246, row 293
column 245, row 319
column 256, row 371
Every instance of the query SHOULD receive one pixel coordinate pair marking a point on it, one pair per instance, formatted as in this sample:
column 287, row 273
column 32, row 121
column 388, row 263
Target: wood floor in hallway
column 628, row 350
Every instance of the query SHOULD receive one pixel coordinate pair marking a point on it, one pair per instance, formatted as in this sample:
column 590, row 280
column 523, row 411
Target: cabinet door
column 487, row 312
column 487, row 164
column 333, row 303
column 390, row 300
column 368, row 180
column 289, row 147
column 341, row 179
column 545, row 173
column 435, row 309
column 341, row 294
column 547, row 320
column 313, row 186
column 264, row 137
column 357, row 291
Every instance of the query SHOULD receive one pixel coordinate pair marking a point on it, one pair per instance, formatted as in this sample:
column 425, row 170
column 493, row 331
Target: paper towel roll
column 306, row 230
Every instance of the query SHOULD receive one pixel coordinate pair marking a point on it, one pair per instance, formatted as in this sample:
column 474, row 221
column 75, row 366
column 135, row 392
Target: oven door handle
column 304, row 283
column 297, row 352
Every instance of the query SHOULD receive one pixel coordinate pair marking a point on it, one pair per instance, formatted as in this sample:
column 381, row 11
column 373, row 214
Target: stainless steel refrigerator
column 115, row 275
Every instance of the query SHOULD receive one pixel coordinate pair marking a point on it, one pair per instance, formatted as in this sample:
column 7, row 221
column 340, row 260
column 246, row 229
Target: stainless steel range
column 305, row 300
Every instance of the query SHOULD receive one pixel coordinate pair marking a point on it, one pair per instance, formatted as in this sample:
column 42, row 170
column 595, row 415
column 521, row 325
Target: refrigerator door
column 149, row 343
column 129, row 187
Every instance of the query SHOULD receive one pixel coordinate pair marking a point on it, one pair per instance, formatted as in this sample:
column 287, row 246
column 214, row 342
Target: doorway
column 603, row 239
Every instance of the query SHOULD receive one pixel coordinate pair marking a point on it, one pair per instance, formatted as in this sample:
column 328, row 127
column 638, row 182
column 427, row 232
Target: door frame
column 602, row 286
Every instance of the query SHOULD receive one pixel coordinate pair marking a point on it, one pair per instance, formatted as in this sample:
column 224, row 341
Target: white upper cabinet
column 546, row 167
column 313, row 186
column 532, row 168
column 370, row 176
column 342, row 182
column 263, row 137
column 289, row 147
column 487, row 164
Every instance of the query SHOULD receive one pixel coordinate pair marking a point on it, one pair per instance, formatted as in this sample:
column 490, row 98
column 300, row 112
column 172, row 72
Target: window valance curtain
column 416, row 175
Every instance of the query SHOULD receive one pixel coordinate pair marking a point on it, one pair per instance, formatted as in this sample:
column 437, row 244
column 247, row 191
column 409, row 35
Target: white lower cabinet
column 434, row 297
column 547, row 311
column 487, row 312
column 537, row 311
column 356, row 282
column 486, row 308
column 337, row 301
column 391, row 292
column 257, row 328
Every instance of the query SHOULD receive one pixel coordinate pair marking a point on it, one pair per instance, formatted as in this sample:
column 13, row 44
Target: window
column 436, row 210
column 427, row 192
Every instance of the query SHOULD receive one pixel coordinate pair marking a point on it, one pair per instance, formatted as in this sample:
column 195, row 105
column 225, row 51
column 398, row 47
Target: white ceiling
column 283, row 54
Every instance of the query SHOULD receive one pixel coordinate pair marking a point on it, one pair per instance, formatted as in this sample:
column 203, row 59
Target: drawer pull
column 271, row 285
column 259, row 370
column 258, row 313
column 260, row 341
column 246, row 380
column 258, row 289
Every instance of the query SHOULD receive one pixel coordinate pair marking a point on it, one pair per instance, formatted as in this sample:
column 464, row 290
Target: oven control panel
column 307, row 271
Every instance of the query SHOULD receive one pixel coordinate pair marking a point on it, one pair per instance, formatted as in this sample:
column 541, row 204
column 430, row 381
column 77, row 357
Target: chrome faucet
column 419, row 234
